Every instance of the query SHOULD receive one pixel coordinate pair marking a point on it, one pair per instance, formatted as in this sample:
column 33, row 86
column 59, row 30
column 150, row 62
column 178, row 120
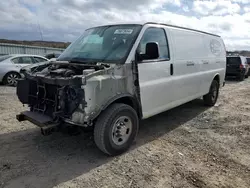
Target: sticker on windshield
column 124, row 31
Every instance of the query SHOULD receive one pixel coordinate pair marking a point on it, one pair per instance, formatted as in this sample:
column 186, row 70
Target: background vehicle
column 53, row 55
column 113, row 76
column 248, row 62
column 10, row 66
column 237, row 66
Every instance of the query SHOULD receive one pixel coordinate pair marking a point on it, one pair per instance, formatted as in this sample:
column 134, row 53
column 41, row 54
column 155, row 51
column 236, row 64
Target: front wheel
column 211, row 98
column 116, row 129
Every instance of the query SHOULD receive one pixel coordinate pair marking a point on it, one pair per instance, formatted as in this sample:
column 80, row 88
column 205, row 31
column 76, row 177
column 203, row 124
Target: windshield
column 102, row 44
column 2, row 58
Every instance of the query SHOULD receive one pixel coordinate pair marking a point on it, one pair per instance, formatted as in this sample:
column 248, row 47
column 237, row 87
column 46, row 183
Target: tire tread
column 207, row 98
column 102, row 123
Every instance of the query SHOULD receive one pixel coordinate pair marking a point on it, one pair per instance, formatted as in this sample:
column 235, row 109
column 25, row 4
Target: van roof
column 180, row 27
column 235, row 56
column 170, row 25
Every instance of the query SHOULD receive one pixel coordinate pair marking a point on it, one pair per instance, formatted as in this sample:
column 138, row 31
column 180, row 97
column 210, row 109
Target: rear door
column 17, row 61
column 233, row 65
column 22, row 61
column 27, row 60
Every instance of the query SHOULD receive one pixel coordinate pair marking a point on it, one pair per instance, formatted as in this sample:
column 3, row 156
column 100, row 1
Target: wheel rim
column 122, row 129
column 12, row 79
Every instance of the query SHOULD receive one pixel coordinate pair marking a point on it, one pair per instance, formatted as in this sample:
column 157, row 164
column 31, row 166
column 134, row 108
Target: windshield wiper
column 81, row 60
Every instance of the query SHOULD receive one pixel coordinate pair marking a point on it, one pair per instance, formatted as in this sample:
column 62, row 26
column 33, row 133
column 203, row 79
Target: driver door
column 156, row 75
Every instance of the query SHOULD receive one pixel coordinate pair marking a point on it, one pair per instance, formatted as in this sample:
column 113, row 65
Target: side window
column 27, row 60
column 155, row 35
column 248, row 61
column 39, row 59
column 17, row 60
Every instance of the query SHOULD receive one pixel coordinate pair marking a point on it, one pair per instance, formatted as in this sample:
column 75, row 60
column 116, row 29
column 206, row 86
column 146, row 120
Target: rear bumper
column 233, row 74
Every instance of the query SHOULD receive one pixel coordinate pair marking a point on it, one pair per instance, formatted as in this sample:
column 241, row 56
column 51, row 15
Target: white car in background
column 10, row 66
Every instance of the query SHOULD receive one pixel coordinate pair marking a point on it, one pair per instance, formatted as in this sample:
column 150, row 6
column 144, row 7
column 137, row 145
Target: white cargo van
column 113, row 76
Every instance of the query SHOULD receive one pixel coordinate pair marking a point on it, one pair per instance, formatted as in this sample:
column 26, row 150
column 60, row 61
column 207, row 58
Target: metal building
column 24, row 49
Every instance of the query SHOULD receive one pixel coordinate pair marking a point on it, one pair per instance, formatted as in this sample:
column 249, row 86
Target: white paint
column 123, row 31
column 196, row 57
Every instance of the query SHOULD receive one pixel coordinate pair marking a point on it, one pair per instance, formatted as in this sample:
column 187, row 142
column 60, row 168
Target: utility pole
column 40, row 31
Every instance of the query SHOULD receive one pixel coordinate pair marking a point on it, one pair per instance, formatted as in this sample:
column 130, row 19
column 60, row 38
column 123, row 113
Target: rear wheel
column 242, row 77
column 116, row 129
column 211, row 98
column 11, row 78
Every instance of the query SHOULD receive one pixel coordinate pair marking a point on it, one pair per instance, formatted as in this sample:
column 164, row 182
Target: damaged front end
column 54, row 92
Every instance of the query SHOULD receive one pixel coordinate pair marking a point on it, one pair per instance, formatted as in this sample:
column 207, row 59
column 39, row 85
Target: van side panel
column 214, row 63
column 196, row 58
column 189, row 52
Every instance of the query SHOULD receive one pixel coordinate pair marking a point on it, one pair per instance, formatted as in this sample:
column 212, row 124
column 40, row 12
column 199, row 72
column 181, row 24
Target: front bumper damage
column 60, row 93
column 46, row 123
column 51, row 102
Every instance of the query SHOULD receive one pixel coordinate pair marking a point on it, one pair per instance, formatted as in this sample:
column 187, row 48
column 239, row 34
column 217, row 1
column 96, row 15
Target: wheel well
column 217, row 78
column 4, row 77
column 131, row 102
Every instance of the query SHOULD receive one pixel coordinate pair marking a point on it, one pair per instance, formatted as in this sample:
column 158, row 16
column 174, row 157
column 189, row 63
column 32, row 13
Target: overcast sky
column 64, row 20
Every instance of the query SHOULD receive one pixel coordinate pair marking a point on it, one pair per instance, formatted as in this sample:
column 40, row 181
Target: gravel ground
column 189, row 146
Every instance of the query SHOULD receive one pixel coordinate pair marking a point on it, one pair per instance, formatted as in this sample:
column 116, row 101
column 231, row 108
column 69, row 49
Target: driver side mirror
column 151, row 52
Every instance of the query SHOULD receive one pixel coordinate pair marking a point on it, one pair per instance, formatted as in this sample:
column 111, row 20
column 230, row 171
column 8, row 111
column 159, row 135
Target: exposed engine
column 54, row 89
column 57, row 70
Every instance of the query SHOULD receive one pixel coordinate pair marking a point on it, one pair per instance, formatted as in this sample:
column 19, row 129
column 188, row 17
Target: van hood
column 63, row 72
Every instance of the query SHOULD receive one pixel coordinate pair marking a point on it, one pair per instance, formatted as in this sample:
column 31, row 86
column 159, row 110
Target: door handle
column 171, row 69
column 205, row 62
column 190, row 63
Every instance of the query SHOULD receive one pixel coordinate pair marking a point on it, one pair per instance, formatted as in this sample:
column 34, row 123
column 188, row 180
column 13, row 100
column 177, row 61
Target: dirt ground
column 189, row 146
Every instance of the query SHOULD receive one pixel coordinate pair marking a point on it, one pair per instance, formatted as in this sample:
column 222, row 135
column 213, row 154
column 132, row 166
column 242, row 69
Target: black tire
column 105, row 124
column 211, row 98
column 11, row 78
column 242, row 77
column 246, row 76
